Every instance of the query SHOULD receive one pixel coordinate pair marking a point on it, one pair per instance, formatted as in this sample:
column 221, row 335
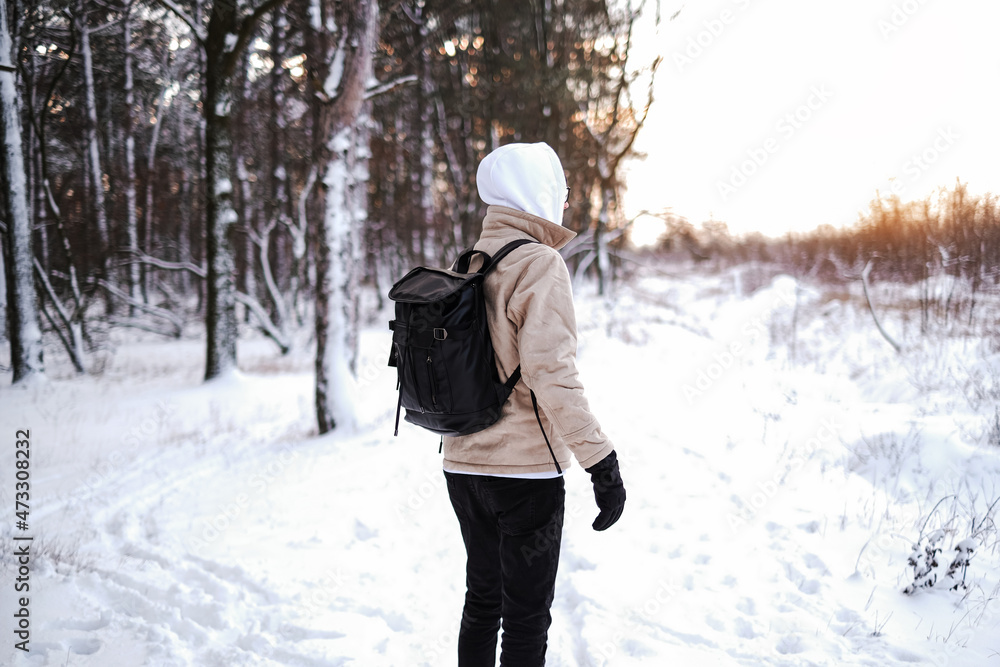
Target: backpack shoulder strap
column 465, row 259
column 491, row 263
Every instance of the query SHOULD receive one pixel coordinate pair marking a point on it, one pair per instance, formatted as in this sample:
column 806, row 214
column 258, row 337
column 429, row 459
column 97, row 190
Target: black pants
column 512, row 530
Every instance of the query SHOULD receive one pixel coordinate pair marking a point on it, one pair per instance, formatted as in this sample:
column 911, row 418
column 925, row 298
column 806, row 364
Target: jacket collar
column 502, row 222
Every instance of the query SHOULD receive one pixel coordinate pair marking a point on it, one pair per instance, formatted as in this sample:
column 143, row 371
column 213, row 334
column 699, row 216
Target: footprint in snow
column 83, row 646
column 87, row 626
column 810, row 527
column 810, row 587
column 714, row 623
column 743, row 628
column 790, row 644
column 814, row 562
column 363, row 532
column 747, row 606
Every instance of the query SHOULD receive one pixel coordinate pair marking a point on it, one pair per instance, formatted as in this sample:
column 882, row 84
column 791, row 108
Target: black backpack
column 441, row 348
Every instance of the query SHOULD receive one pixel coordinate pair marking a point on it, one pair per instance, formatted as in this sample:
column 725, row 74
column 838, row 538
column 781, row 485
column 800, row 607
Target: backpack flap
column 446, row 369
column 424, row 285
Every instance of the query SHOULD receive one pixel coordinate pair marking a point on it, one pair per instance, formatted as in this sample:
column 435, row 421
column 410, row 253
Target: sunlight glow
column 762, row 120
column 646, row 231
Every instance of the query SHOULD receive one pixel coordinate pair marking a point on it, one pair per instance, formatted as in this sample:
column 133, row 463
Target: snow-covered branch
column 73, row 355
column 152, row 310
column 74, row 341
column 266, row 325
column 199, row 271
column 864, row 286
column 388, row 86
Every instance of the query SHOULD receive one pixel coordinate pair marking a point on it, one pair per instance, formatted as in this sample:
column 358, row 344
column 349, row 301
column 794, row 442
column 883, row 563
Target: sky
column 783, row 115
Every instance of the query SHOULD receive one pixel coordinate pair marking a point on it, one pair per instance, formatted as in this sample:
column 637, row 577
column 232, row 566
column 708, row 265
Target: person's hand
column 609, row 491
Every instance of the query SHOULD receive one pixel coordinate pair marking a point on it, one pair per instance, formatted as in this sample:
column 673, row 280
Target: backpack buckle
column 440, row 334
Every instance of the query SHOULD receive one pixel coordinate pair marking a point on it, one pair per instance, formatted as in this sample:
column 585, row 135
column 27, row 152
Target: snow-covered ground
column 780, row 459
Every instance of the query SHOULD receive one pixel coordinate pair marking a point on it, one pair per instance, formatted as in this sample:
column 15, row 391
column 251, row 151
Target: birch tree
column 131, row 212
column 22, row 302
column 229, row 31
column 345, row 36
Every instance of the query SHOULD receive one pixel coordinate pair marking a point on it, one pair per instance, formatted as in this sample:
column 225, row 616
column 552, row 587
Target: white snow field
column 781, row 461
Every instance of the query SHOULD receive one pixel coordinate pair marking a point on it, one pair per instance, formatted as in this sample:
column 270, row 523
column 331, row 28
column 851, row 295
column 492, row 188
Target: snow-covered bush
column 928, row 567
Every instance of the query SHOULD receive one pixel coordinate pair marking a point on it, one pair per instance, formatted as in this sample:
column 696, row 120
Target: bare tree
column 131, row 212
column 22, row 302
column 229, row 32
column 93, row 151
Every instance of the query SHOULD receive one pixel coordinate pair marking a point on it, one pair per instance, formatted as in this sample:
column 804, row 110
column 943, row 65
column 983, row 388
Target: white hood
column 524, row 177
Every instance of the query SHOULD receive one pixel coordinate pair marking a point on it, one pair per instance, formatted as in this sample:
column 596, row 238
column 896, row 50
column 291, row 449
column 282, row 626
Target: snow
column 769, row 520
column 332, row 84
column 315, row 15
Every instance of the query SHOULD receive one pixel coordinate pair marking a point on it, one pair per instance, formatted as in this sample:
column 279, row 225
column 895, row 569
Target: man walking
column 505, row 482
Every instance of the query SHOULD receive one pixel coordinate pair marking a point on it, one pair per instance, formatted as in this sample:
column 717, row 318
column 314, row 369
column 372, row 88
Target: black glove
column 609, row 490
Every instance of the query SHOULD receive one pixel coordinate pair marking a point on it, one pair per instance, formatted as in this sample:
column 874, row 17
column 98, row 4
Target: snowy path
column 184, row 524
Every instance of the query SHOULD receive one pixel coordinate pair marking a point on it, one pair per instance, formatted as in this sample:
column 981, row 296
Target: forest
column 172, row 163
column 175, row 165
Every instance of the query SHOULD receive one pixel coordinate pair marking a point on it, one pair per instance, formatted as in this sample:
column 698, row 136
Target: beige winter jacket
column 532, row 323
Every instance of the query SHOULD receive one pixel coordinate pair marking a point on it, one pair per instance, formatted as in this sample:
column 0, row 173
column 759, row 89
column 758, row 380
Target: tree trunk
column 93, row 153
column 147, row 212
column 346, row 66
column 278, row 207
column 227, row 37
column 184, row 254
column 600, row 242
column 22, row 301
column 3, row 287
column 131, row 214
column 220, row 315
column 37, row 190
